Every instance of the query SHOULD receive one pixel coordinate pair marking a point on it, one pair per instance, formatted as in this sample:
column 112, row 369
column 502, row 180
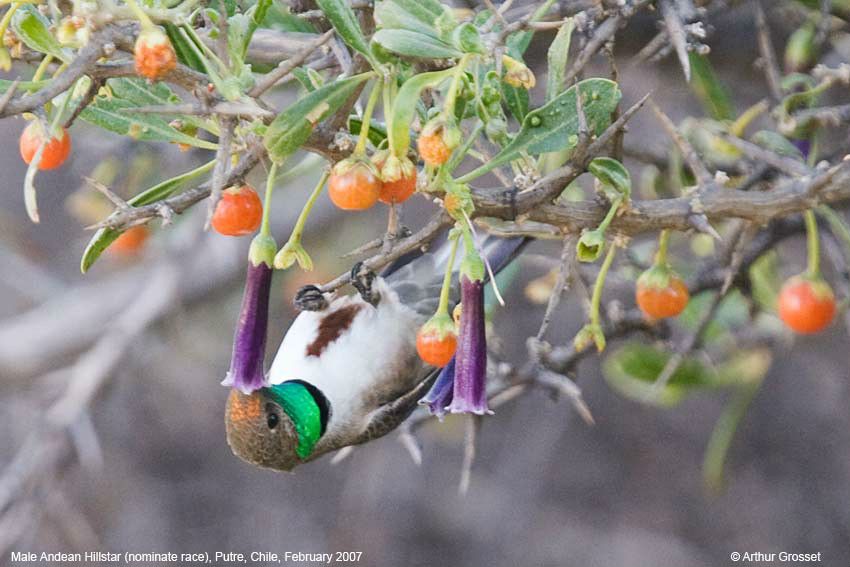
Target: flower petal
column 440, row 395
column 249, row 342
column 470, row 395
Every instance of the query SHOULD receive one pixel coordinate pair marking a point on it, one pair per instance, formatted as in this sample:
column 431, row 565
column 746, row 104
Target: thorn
column 120, row 203
column 688, row 153
column 409, row 441
column 341, row 455
column 7, row 96
column 473, row 424
column 567, row 387
column 678, row 35
column 701, row 224
column 86, row 442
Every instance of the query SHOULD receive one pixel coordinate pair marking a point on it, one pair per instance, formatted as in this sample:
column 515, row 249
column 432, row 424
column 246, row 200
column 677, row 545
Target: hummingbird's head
column 276, row 427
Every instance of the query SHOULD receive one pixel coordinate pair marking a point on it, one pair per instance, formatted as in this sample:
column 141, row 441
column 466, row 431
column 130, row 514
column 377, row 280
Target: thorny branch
column 783, row 187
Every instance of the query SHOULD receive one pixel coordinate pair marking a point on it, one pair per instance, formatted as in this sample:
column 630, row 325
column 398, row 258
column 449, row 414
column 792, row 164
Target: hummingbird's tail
column 418, row 281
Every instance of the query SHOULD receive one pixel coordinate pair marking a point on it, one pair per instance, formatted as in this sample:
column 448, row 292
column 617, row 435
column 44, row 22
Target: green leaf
column 294, row 125
column 184, row 51
column 732, row 313
column 106, row 236
column 280, row 18
column 342, row 18
column 392, row 15
column 142, row 93
column 557, row 57
column 377, row 130
column 34, row 31
column 554, row 126
column 414, row 44
column 709, row 90
column 405, row 106
column 115, row 114
column 777, row 143
column 611, row 173
column 633, row 369
column 764, row 280
column 23, row 85
column 516, row 99
column 413, row 15
column 517, row 43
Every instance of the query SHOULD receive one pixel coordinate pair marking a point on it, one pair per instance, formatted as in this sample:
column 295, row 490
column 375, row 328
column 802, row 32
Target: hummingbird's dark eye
column 272, row 420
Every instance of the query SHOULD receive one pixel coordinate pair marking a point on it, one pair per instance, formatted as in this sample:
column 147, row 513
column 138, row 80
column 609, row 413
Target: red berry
column 131, row 241
column 354, row 185
column 398, row 178
column 239, row 212
column 661, row 301
column 154, row 55
column 806, row 306
column 56, row 150
column 434, row 347
column 433, row 149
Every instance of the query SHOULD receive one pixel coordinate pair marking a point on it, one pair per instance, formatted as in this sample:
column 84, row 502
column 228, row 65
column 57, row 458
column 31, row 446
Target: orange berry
column 660, row 302
column 806, row 306
column 398, row 178
column 451, row 202
column 239, row 212
column 154, row 54
column 354, row 185
column 435, row 348
column 433, row 149
column 131, row 241
column 55, row 152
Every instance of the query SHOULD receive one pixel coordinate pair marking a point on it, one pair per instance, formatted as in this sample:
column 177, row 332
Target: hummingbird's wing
column 419, row 282
column 391, row 415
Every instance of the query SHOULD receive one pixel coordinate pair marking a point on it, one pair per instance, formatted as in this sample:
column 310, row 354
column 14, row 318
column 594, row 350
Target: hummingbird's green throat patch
column 306, row 407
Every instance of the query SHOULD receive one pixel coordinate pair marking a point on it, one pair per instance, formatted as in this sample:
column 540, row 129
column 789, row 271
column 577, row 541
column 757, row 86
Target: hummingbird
column 347, row 369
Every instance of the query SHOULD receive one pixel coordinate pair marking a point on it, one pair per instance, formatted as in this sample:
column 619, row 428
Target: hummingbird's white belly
column 374, row 354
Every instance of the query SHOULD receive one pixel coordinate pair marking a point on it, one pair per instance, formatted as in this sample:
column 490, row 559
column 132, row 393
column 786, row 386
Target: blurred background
column 148, row 468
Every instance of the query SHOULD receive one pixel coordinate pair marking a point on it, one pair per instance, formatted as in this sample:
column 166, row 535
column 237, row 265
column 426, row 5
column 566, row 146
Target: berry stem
column 144, row 19
column 42, row 68
column 7, row 17
column 265, row 229
column 661, row 254
column 388, row 112
column 451, row 96
column 615, row 206
column 443, row 307
column 298, row 230
column 463, row 149
column 366, row 122
column 596, row 298
column 813, row 244
column 724, row 432
column 56, row 123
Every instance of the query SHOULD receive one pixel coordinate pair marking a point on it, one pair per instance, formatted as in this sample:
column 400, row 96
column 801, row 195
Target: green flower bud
column 290, row 253
column 466, row 38
column 517, row 74
column 590, row 245
column 589, row 334
column 801, row 51
column 263, row 250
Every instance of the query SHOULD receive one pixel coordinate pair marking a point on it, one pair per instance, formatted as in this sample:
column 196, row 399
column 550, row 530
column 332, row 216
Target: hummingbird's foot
column 310, row 298
column 362, row 279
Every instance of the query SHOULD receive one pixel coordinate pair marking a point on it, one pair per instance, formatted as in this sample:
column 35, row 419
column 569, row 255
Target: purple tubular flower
column 249, row 342
column 440, row 395
column 470, row 395
column 805, row 147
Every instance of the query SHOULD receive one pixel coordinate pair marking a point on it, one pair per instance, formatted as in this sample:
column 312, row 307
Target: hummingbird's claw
column 361, row 279
column 310, row 298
